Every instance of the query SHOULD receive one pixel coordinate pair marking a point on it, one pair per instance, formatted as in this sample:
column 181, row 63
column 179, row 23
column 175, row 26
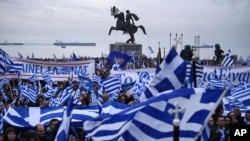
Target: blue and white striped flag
column 248, row 60
column 111, row 85
column 54, row 102
column 33, row 78
column 4, row 81
column 29, row 117
column 63, row 131
column 51, row 91
column 135, row 123
column 74, row 57
column 151, row 49
column 228, row 60
column 46, row 77
column 14, row 68
column 55, row 58
column 65, row 95
column 96, row 78
column 7, row 64
column 242, row 94
column 29, row 93
column 112, row 107
column 189, row 75
column 215, row 84
column 20, row 55
column 170, row 75
column 199, row 70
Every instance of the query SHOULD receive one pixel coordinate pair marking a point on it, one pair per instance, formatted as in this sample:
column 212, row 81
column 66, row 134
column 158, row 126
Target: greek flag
column 96, row 78
column 170, row 75
column 199, row 70
column 151, row 49
column 4, row 81
column 248, row 60
column 118, row 57
column 215, row 84
column 20, row 55
column 111, row 85
column 112, row 107
column 65, row 95
column 54, row 102
column 55, row 58
column 29, row 93
column 74, row 57
column 85, row 83
column 116, row 66
column 46, row 77
column 239, row 97
column 33, row 78
column 135, row 123
column 7, row 64
column 51, row 91
column 63, row 131
column 228, row 60
column 28, row 117
column 242, row 94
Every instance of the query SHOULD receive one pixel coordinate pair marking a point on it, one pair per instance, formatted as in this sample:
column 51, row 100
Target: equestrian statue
column 126, row 24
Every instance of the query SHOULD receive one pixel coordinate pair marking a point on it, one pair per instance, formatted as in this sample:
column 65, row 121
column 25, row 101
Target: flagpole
column 170, row 40
column 176, row 120
column 194, row 73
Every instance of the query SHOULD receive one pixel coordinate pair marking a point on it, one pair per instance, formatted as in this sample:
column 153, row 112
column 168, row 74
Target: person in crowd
column 28, row 136
column 84, row 99
column 247, row 118
column 40, row 133
column 51, row 130
column 105, row 97
column 1, row 137
column 218, row 132
column 238, row 118
column 218, row 111
column 72, row 138
column 10, row 134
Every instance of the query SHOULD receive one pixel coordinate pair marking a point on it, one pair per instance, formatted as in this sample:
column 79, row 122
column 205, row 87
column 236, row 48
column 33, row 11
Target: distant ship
column 6, row 43
column 63, row 44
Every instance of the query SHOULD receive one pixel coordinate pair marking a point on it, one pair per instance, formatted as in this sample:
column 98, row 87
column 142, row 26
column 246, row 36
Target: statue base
column 130, row 48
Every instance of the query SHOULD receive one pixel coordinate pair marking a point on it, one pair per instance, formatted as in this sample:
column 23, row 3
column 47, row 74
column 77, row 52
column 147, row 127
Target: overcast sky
column 226, row 22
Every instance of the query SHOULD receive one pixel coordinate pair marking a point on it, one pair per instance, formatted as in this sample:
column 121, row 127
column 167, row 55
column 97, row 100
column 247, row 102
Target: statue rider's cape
column 134, row 16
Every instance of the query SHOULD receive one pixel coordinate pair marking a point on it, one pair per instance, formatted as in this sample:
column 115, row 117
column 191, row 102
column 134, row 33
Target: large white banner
column 30, row 67
column 234, row 74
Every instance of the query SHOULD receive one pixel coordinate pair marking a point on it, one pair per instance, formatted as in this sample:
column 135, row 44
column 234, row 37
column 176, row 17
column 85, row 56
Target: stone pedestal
column 129, row 48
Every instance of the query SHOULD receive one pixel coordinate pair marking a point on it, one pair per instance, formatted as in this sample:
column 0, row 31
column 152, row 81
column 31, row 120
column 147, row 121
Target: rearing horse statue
column 131, row 29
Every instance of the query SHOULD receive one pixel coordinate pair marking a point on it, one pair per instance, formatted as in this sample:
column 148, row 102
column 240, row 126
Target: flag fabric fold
column 118, row 57
column 63, row 131
column 7, row 64
column 135, row 123
column 171, row 74
column 228, row 60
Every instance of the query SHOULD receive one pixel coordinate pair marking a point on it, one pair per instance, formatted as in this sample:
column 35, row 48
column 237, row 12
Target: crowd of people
column 219, row 125
column 10, row 97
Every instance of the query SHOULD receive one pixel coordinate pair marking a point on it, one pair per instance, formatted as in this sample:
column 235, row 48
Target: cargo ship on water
column 16, row 44
column 64, row 44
